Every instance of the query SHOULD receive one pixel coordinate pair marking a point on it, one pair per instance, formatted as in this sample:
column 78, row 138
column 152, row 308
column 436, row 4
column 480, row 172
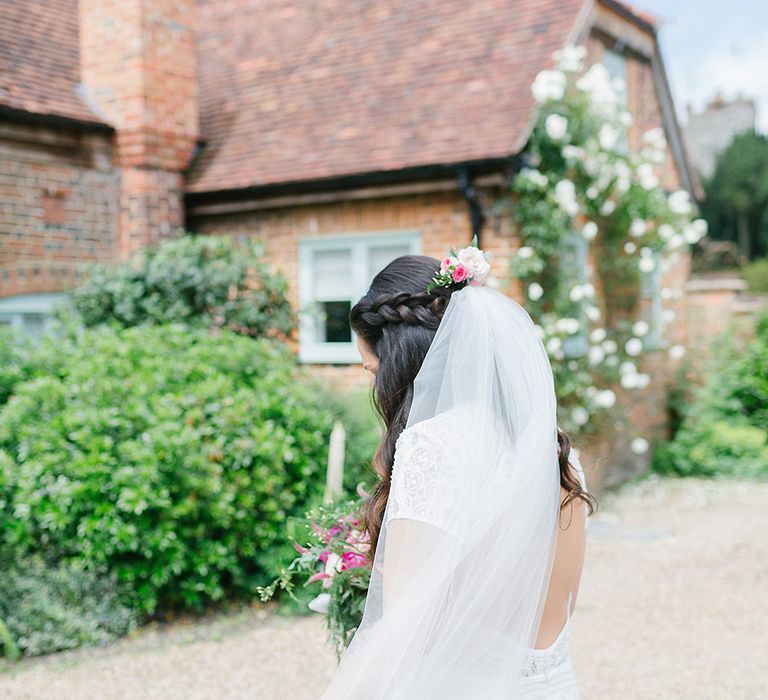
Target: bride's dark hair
column 398, row 320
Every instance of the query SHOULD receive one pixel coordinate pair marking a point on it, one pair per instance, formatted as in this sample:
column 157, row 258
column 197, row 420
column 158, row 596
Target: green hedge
column 164, row 455
column 46, row 608
column 756, row 275
column 725, row 431
column 199, row 280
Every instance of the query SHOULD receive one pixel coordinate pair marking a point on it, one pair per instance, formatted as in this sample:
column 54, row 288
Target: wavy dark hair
column 398, row 320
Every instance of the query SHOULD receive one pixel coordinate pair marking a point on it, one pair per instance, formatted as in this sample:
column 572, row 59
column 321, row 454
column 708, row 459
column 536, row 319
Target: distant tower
column 710, row 132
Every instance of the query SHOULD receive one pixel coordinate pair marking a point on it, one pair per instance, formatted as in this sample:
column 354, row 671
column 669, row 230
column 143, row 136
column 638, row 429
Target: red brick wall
column 441, row 218
column 138, row 66
column 58, row 207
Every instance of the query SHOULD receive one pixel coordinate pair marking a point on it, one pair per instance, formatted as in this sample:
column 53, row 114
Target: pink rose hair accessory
column 467, row 266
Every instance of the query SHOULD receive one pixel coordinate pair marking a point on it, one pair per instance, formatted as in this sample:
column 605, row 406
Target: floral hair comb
column 467, row 266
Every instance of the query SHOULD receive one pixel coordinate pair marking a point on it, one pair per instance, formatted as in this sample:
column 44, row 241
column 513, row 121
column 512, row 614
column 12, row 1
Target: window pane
column 380, row 256
column 616, row 63
column 574, row 258
column 34, row 325
column 334, row 322
column 332, row 273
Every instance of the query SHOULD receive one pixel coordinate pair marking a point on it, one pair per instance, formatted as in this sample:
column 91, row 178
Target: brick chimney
column 138, row 68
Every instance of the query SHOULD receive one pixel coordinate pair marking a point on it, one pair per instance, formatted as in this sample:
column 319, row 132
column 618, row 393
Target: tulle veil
column 453, row 606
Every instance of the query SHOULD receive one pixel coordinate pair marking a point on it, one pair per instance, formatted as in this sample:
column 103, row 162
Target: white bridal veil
column 464, row 556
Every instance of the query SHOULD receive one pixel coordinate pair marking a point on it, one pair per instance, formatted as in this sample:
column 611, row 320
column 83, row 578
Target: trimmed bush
column 165, row 455
column 199, row 280
column 756, row 276
column 47, row 608
column 725, row 432
column 12, row 369
column 22, row 359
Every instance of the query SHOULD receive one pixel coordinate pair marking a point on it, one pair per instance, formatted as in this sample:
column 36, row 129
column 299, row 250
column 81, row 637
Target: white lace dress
column 421, row 490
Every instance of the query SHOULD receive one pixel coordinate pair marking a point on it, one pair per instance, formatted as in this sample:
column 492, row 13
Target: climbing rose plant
column 584, row 188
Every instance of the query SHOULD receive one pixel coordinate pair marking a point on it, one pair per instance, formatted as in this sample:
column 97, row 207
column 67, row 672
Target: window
column 333, row 274
column 650, row 289
column 574, row 270
column 30, row 314
column 616, row 64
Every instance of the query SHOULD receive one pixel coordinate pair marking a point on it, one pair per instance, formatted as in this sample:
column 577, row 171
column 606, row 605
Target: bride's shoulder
column 438, row 429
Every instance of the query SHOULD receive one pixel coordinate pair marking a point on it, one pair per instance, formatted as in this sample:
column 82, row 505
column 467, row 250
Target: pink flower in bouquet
column 299, row 548
column 460, row 273
column 448, row 262
column 352, row 560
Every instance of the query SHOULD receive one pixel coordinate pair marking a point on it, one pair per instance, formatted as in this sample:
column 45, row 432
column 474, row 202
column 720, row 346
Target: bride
column 477, row 523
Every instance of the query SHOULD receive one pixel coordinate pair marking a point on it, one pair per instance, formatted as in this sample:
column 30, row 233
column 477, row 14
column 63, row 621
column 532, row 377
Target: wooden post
column 335, row 475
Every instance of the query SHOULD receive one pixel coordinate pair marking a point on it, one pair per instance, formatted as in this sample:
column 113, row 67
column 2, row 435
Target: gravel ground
column 673, row 604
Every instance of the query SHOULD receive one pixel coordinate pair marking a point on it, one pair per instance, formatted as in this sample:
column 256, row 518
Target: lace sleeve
column 422, row 484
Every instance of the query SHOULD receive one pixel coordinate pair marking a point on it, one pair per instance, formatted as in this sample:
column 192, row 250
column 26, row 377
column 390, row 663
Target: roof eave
column 621, row 9
column 41, row 119
column 415, row 173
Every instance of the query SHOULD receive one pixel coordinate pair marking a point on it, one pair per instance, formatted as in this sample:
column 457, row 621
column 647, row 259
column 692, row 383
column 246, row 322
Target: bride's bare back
column 566, row 571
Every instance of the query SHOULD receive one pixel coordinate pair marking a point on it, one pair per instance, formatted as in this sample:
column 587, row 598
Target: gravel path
column 673, row 604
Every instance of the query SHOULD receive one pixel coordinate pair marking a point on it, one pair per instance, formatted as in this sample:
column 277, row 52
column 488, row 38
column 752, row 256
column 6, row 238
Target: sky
column 714, row 45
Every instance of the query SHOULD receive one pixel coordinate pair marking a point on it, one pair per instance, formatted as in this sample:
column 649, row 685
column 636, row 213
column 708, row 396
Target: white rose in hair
column 474, row 260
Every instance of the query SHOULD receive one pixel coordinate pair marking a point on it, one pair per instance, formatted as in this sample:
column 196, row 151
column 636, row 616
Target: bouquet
column 334, row 559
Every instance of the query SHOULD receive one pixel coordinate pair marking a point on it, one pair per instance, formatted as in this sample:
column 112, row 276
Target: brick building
column 341, row 134
column 709, row 132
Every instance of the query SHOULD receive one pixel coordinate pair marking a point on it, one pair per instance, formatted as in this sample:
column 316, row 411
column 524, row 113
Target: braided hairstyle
column 398, row 320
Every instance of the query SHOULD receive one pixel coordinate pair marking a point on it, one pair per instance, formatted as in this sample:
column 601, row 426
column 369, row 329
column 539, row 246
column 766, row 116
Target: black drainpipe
column 475, row 207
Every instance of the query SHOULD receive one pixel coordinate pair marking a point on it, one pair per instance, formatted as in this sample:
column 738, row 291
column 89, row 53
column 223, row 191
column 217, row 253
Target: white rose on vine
column 589, row 230
column 579, row 415
column 549, row 85
column 565, row 196
column 605, row 398
column 666, row 232
column 556, row 126
column 638, row 227
column 633, row 347
column 571, row 58
column 535, row 291
column 592, row 312
column 598, row 335
column 676, row 352
column 596, row 355
column 680, row 203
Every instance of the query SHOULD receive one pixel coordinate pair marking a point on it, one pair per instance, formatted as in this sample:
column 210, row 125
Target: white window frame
column 618, row 60
column 574, row 268
column 618, row 67
column 14, row 309
column 650, row 290
column 310, row 350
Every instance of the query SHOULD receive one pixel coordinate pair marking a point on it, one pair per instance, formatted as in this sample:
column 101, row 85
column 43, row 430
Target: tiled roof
column 324, row 88
column 39, row 59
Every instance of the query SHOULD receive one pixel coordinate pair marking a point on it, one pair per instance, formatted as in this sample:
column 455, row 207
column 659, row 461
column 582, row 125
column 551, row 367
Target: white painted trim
column 14, row 309
column 341, row 353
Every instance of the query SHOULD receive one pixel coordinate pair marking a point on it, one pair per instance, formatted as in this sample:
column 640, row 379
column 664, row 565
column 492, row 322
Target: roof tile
column 301, row 91
column 39, row 59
